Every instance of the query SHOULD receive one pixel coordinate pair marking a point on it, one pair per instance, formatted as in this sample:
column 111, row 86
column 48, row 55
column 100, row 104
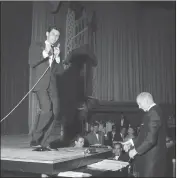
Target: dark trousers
column 47, row 125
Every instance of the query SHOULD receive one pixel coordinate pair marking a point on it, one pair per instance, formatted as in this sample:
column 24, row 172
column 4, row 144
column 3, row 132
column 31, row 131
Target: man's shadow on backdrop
column 71, row 90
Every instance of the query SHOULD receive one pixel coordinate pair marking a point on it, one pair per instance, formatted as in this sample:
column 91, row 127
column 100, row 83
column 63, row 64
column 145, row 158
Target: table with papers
column 108, row 165
column 104, row 168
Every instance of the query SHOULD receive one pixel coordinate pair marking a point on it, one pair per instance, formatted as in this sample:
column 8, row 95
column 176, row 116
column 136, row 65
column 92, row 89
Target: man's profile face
column 123, row 131
column 142, row 104
column 53, row 36
column 131, row 131
column 79, row 143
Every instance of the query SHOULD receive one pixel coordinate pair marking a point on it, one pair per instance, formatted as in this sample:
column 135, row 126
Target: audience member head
column 79, row 141
column 117, row 149
column 131, row 131
column 52, row 35
column 144, row 100
column 95, row 127
column 123, row 131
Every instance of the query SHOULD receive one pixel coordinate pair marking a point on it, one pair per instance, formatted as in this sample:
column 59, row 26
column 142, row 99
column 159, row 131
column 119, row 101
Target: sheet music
column 74, row 174
column 108, row 165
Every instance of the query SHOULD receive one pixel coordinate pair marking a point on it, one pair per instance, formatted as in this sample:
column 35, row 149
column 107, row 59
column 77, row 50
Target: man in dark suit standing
column 43, row 56
column 150, row 145
column 124, row 123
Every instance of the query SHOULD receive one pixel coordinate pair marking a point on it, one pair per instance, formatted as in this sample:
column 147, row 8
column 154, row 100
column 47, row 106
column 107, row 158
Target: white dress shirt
column 151, row 106
column 113, row 134
column 45, row 55
column 122, row 122
column 97, row 136
column 122, row 136
column 116, row 157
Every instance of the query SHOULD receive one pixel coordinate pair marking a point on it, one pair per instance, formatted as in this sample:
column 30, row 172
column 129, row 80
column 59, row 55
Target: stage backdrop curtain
column 16, row 23
column 135, row 48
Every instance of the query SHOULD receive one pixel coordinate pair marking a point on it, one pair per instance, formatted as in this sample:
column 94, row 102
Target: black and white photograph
column 88, row 88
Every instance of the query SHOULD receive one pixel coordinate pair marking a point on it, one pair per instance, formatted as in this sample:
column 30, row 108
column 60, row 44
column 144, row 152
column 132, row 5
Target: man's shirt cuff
column 45, row 54
column 57, row 59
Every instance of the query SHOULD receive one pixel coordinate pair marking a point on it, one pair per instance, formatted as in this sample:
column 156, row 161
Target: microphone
column 56, row 46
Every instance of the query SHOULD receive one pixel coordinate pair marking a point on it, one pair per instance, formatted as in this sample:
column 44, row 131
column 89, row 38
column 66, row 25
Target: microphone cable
column 26, row 94
column 28, row 91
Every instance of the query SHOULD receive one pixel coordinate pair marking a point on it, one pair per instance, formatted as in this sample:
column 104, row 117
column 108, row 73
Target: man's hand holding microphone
column 52, row 53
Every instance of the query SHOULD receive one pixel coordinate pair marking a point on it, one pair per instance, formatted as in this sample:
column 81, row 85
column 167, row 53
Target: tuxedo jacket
column 40, row 64
column 151, row 144
column 92, row 139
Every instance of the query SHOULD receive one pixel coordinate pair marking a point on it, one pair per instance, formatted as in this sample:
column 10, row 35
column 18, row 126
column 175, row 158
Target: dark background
column 16, row 27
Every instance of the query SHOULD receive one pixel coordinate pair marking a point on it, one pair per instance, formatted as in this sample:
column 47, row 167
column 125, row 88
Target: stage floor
column 17, row 155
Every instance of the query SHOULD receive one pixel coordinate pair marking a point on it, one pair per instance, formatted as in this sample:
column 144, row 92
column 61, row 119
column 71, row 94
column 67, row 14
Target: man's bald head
column 144, row 100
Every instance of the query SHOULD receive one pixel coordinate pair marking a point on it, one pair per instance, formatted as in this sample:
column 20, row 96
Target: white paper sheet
column 74, row 174
column 108, row 165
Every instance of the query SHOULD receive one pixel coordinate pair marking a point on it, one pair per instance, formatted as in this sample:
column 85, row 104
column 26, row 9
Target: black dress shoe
column 42, row 149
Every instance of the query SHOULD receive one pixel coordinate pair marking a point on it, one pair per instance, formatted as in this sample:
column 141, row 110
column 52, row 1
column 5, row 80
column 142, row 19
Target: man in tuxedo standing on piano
column 43, row 56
